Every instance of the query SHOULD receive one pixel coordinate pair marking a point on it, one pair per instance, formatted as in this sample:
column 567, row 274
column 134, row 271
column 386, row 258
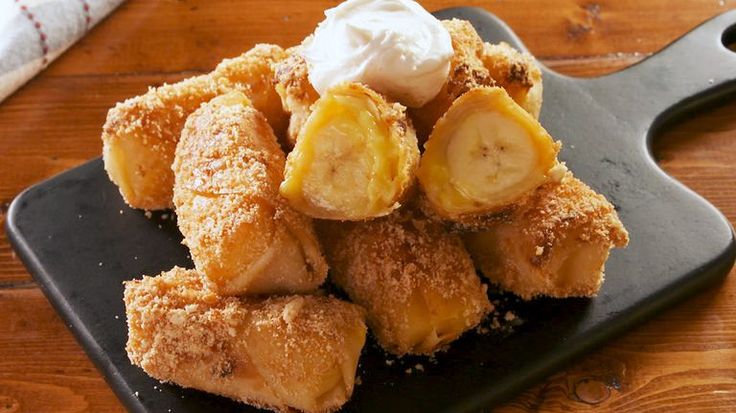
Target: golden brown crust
column 555, row 244
column 280, row 353
column 466, row 72
column 240, row 232
column 516, row 72
column 252, row 74
column 415, row 280
column 140, row 134
column 297, row 94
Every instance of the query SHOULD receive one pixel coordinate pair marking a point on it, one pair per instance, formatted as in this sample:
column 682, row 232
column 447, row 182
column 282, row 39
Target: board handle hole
column 729, row 38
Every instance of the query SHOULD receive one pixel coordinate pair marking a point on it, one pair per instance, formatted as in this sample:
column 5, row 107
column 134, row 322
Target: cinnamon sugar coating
column 555, row 244
column 517, row 72
column 296, row 91
column 415, row 280
column 242, row 235
column 140, row 134
column 280, row 353
column 466, row 72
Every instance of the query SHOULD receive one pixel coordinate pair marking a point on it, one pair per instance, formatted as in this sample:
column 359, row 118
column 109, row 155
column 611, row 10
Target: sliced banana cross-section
column 485, row 154
column 354, row 159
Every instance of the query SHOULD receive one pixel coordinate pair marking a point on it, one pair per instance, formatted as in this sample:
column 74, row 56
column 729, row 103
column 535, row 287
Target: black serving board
column 80, row 241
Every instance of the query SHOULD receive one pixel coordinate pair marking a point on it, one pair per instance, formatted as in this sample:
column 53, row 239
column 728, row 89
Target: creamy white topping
column 394, row 46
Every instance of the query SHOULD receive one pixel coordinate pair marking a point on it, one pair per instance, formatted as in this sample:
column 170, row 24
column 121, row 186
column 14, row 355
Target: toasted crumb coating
column 415, row 280
column 280, row 353
column 516, row 72
column 140, row 134
column 556, row 244
column 240, row 232
column 296, row 91
column 466, row 72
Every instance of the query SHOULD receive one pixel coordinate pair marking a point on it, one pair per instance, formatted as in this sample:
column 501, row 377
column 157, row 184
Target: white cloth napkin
column 35, row 32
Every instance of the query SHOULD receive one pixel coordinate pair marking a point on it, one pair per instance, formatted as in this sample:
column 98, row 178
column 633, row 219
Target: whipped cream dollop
column 393, row 46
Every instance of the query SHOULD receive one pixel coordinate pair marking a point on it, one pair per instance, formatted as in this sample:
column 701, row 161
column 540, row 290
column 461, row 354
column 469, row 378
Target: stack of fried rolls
column 273, row 183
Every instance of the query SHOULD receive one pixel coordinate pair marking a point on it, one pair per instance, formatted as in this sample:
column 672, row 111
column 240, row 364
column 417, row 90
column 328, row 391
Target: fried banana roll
column 140, row 134
column 516, row 72
column 240, row 232
column 415, row 280
column 466, row 72
column 296, row 92
column 355, row 157
column 284, row 353
column 484, row 155
column 555, row 245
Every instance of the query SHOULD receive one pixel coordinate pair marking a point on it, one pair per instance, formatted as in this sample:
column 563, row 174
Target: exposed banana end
column 556, row 244
column 484, row 155
column 355, row 157
column 516, row 72
column 140, row 135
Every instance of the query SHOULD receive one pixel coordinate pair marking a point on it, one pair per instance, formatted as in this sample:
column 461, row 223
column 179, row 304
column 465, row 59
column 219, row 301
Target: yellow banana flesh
column 485, row 154
column 354, row 159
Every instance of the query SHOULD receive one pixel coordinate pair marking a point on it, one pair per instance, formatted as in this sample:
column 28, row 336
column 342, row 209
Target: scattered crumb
column 408, row 371
column 117, row 317
column 509, row 316
column 148, row 214
column 121, row 212
column 136, row 394
column 99, row 264
column 159, row 226
column 79, row 216
column 358, row 381
column 419, row 367
column 539, row 250
column 135, row 257
column 164, row 216
column 389, row 362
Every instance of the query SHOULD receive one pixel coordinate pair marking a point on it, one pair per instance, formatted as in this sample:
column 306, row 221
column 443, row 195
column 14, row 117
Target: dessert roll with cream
column 556, row 244
column 415, row 280
column 279, row 353
column 140, row 134
column 355, row 157
column 241, row 234
column 484, row 156
column 516, row 72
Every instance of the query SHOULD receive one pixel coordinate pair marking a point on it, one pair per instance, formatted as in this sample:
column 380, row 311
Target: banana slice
column 354, row 159
column 484, row 155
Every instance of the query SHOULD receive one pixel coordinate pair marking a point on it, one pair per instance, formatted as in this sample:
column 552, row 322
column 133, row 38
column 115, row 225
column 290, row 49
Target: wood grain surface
column 684, row 360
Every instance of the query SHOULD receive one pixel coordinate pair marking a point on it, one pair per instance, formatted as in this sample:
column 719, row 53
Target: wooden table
column 685, row 360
